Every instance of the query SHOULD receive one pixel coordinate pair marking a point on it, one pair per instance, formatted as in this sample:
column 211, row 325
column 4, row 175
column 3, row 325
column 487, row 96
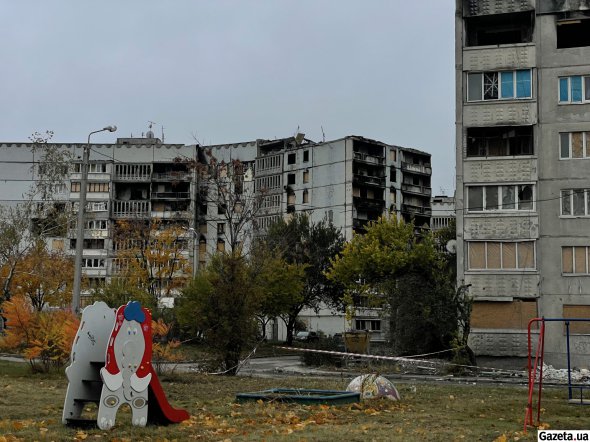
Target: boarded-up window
column 577, row 145
column 306, row 176
column 526, row 255
column 477, row 255
column 57, row 244
column 509, row 255
column 305, row 196
column 494, row 255
column 203, row 229
column 507, row 315
column 202, row 250
column 220, row 245
column 574, row 260
column 580, row 260
column 567, row 259
column 577, row 311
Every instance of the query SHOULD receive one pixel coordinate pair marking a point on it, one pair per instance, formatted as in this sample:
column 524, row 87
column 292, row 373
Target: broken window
column 574, row 145
column 505, row 85
column 220, row 228
column 499, row 29
column 499, row 141
column 305, row 156
column 508, row 197
column 504, row 197
column 292, row 158
column 305, row 196
column 573, row 33
column 575, row 202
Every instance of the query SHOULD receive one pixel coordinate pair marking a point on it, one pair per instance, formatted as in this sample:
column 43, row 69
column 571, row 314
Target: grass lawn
column 31, row 406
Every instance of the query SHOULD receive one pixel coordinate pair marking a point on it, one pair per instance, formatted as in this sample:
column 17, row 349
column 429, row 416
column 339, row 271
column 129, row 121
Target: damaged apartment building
column 350, row 181
column 523, row 188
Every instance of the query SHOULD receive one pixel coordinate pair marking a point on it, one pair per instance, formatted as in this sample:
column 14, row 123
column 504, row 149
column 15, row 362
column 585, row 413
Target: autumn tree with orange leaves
column 151, row 259
column 43, row 337
column 44, row 277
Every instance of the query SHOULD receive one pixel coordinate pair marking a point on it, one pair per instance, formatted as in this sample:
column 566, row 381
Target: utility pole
column 81, row 221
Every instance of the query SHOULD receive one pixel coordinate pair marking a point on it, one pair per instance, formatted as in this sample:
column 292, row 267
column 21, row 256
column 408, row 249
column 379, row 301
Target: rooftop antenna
column 162, row 133
column 323, row 134
column 150, row 133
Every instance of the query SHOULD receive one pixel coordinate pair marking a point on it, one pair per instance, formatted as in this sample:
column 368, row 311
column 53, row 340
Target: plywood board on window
column 567, row 259
column 477, row 255
column 526, row 256
column 580, row 261
column 577, row 311
column 577, row 145
column 503, row 315
column 509, row 255
column 494, row 255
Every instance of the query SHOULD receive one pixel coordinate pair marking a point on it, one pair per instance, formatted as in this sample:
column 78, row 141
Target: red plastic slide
column 160, row 411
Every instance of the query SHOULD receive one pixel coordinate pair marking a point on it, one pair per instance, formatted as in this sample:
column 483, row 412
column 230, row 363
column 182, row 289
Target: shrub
column 317, row 359
column 44, row 338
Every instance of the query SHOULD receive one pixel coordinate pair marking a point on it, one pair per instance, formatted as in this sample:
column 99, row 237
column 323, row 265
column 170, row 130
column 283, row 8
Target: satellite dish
column 452, row 246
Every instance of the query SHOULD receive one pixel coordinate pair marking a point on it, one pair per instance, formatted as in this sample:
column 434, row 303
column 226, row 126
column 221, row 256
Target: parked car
column 307, row 336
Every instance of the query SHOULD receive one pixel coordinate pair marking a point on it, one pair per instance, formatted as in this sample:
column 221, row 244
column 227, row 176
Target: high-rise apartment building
column 523, row 207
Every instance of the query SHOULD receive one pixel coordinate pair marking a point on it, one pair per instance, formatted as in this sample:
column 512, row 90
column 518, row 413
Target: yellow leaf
column 544, row 426
column 17, row 425
column 501, row 438
column 81, row 435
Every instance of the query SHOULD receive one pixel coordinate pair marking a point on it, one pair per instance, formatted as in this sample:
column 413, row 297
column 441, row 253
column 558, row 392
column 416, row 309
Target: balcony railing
column 425, row 169
column 170, row 195
column 171, row 176
column 371, row 159
column 369, row 180
column 422, row 190
column 420, row 210
column 131, row 209
column 366, row 203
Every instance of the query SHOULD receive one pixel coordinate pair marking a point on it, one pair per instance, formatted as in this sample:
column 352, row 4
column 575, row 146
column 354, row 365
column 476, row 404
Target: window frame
column 501, row 269
column 571, row 203
column 585, row 94
column 573, row 273
column 499, row 197
column 500, row 97
column 585, row 145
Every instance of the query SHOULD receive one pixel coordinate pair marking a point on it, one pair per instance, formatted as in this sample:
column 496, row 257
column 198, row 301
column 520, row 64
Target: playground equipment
column 537, row 367
column 111, row 365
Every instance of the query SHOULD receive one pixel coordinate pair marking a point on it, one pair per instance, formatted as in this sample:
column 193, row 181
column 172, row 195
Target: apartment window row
column 267, row 163
column 96, row 224
column 574, row 89
column 575, row 202
column 264, row 222
column 270, row 201
column 373, row 325
column 574, row 145
column 501, row 255
column 93, row 263
column 268, row 182
column 94, row 283
column 506, row 197
column 94, row 244
column 504, row 85
column 574, row 260
column 92, row 168
column 90, row 187
column 133, row 170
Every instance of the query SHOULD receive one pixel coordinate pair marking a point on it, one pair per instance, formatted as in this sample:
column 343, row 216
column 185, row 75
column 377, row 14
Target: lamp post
column 195, row 251
column 80, row 223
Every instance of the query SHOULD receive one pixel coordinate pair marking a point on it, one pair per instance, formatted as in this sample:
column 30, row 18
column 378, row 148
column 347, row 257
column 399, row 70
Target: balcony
column 172, row 214
column 171, row 195
column 369, row 180
column 424, row 169
column 131, row 209
column 172, row 176
column 416, row 210
column 370, row 159
column 420, row 190
column 132, row 172
column 368, row 204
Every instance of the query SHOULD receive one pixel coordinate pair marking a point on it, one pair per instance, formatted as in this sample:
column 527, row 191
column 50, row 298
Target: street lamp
column 80, row 225
column 195, row 250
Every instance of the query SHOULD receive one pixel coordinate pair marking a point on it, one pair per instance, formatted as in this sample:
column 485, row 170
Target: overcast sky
column 227, row 71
